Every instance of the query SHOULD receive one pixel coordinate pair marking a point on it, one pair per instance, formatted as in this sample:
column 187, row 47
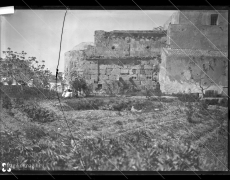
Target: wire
column 58, row 94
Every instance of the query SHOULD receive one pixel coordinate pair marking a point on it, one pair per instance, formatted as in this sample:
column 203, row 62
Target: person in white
column 67, row 93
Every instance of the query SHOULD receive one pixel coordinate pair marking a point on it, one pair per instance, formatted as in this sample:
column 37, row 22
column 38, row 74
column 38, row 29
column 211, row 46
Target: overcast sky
column 38, row 32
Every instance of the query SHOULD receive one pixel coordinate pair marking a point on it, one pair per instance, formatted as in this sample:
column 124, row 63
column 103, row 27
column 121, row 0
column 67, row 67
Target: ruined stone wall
column 206, row 37
column 179, row 73
column 75, row 61
column 140, row 73
column 129, row 43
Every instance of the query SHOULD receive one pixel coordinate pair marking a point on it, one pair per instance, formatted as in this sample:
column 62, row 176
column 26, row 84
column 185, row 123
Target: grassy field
column 103, row 134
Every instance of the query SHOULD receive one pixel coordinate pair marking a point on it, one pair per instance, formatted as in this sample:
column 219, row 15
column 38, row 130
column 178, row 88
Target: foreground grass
column 158, row 138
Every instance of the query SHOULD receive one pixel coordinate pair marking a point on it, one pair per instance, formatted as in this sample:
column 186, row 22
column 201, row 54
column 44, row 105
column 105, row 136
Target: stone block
column 148, row 72
column 148, row 83
column 124, row 71
column 103, row 77
column 87, row 76
column 152, row 62
column 138, row 71
column 136, row 67
column 93, row 72
column 93, row 66
column 137, row 82
column 102, row 71
column 144, row 62
column 112, row 77
column 142, row 72
column 148, row 67
column 131, row 72
column 108, row 71
column 142, row 77
column 89, row 81
column 115, row 71
column 125, row 77
column 94, row 77
column 109, row 66
column 103, row 66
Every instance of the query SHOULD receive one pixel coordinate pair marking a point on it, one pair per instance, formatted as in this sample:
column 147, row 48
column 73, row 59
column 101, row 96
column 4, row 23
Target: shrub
column 29, row 92
column 86, row 104
column 34, row 133
column 37, row 113
column 23, row 154
column 79, row 84
column 168, row 158
column 6, row 102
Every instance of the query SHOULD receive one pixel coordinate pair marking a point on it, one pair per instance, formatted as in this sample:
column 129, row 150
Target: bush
column 29, row 92
column 34, row 133
column 37, row 113
column 86, row 104
column 6, row 102
column 137, row 150
column 23, row 154
column 79, row 84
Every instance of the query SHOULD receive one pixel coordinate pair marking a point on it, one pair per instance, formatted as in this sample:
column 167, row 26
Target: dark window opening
column 214, row 18
column 113, row 47
column 147, row 47
column 149, row 77
column 99, row 86
column 134, row 77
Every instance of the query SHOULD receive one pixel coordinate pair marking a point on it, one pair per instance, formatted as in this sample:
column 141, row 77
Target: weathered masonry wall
column 205, row 37
column 129, row 43
column 75, row 61
column 202, row 17
column 140, row 73
column 179, row 73
column 198, row 17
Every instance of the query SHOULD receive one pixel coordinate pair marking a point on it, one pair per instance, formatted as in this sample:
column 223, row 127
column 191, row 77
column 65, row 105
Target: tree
column 201, row 73
column 78, row 83
column 22, row 69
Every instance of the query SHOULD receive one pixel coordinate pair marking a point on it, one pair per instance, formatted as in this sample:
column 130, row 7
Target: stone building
column 188, row 54
column 196, row 53
column 131, row 57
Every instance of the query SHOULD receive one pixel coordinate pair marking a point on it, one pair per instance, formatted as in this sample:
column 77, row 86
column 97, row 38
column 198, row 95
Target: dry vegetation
column 103, row 134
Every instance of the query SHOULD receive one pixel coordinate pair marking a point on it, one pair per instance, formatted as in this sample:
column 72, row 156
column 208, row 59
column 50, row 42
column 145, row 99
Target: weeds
column 37, row 113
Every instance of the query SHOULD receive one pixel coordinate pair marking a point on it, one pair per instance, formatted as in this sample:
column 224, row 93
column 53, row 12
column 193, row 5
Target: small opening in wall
column 134, row 77
column 214, row 18
column 113, row 47
column 147, row 47
column 99, row 86
column 149, row 77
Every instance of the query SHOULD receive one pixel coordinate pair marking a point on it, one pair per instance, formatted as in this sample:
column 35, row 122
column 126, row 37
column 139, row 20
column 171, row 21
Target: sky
column 38, row 32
